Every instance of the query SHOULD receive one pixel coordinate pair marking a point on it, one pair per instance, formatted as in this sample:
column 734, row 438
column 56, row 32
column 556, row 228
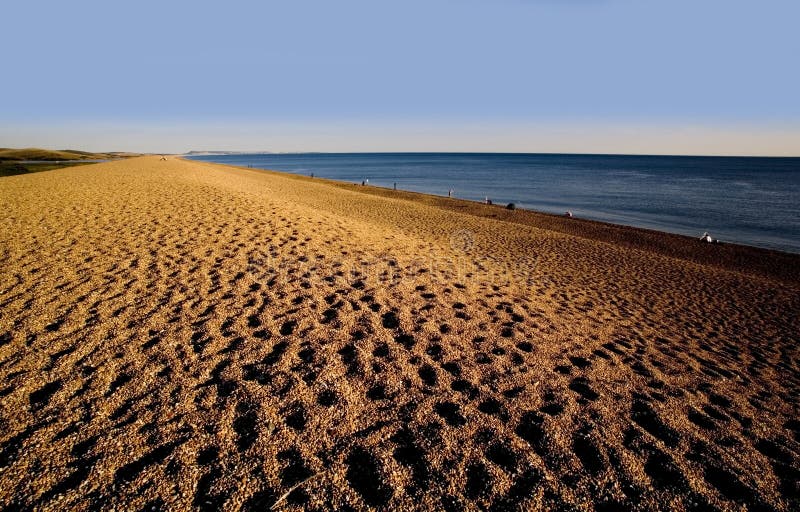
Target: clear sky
column 639, row 76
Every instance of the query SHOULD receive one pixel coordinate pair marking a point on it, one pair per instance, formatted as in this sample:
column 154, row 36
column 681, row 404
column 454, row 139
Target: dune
column 178, row 335
column 30, row 160
column 34, row 154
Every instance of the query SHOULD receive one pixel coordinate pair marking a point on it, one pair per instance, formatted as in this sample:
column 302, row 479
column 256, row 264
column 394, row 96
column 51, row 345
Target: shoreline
column 771, row 263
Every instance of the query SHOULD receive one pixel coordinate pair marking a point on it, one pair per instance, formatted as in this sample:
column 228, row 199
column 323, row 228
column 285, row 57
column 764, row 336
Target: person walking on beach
column 450, row 193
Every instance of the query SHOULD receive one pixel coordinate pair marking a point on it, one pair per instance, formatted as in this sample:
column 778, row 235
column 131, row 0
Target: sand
column 181, row 335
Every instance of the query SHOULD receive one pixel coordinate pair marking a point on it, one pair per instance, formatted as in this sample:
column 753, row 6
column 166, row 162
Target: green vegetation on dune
column 29, row 160
column 38, row 154
column 28, row 154
column 14, row 168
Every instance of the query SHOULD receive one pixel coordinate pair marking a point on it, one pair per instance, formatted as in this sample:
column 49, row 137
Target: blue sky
column 322, row 75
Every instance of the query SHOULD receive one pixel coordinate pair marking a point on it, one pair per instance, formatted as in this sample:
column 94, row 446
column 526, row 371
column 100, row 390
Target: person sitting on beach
column 706, row 238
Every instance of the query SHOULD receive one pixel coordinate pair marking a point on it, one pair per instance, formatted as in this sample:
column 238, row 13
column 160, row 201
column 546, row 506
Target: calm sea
column 754, row 201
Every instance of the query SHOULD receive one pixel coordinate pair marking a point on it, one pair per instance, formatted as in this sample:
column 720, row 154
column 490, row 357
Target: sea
column 744, row 200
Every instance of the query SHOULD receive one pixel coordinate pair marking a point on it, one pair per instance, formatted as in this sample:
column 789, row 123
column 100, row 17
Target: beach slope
column 182, row 335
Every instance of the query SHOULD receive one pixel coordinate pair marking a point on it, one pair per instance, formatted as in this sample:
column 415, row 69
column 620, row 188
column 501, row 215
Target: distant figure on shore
column 706, row 238
column 367, row 181
column 312, row 174
column 450, row 193
column 395, row 185
column 568, row 214
column 363, row 183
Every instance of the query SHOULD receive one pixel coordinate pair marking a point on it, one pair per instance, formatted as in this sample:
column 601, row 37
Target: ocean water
column 745, row 200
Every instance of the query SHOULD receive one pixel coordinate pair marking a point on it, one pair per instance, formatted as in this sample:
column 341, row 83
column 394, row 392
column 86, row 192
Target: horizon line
column 556, row 153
